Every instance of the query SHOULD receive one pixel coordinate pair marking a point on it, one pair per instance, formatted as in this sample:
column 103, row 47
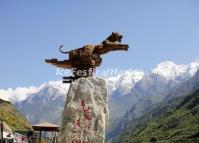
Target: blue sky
column 31, row 31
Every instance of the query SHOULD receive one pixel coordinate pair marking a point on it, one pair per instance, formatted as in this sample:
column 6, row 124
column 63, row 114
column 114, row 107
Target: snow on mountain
column 164, row 77
column 165, row 72
column 128, row 80
column 123, row 82
column 171, row 70
column 52, row 90
column 111, row 83
column 50, row 98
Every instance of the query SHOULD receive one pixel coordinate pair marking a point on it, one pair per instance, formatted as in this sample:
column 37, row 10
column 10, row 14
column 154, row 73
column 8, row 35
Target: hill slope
column 15, row 120
column 179, row 125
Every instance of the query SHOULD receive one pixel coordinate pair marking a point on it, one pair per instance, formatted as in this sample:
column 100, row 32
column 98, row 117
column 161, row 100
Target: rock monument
column 85, row 114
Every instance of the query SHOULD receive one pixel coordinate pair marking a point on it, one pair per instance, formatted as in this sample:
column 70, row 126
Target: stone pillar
column 85, row 114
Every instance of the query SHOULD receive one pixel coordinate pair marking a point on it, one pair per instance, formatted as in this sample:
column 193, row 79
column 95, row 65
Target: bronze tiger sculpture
column 88, row 57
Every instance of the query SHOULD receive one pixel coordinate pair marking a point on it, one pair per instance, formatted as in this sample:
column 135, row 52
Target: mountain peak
column 58, row 85
column 124, row 82
column 171, row 70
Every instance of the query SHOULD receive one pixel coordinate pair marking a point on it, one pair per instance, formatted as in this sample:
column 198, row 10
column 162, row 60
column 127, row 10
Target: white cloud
column 17, row 94
column 21, row 93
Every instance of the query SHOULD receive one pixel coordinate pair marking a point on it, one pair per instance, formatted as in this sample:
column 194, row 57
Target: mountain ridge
column 125, row 91
column 153, row 111
column 14, row 94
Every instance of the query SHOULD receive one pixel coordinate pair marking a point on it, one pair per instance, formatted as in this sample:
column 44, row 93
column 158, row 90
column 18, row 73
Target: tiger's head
column 115, row 37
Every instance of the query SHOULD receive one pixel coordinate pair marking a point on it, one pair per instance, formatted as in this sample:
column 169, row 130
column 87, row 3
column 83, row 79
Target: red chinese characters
column 82, row 125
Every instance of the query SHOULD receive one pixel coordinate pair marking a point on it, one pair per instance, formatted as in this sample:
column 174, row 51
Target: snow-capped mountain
column 164, row 77
column 156, row 87
column 51, row 90
column 170, row 70
column 146, row 109
column 123, row 82
column 22, row 93
column 50, row 97
column 127, row 81
column 39, row 106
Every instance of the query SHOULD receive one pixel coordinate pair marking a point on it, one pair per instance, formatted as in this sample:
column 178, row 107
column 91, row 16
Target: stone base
column 85, row 114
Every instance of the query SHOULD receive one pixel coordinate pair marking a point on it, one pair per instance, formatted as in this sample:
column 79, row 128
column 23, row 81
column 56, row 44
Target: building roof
column 45, row 126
